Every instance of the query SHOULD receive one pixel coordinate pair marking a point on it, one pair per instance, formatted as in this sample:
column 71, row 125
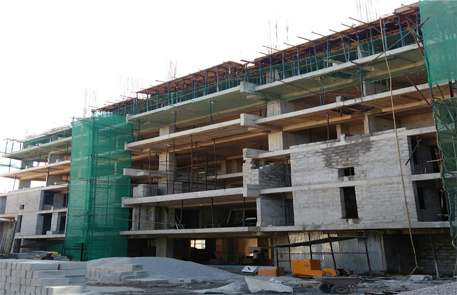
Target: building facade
column 330, row 140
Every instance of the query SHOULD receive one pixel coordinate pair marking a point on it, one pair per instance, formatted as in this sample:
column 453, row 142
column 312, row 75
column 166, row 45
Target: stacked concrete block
column 120, row 274
column 37, row 255
column 41, row 277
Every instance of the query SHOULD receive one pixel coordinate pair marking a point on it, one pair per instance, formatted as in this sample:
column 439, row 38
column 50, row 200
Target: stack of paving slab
column 33, row 255
column 122, row 274
column 45, row 277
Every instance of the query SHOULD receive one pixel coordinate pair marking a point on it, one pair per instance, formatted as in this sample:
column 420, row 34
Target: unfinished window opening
column 48, row 198
column 46, row 218
column 349, row 171
column 65, row 201
column 62, row 224
column 198, row 244
column 424, row 155
column 431, row 202
column 349, row 202
column 19, row 224
column 21, row 207
column 2, row 205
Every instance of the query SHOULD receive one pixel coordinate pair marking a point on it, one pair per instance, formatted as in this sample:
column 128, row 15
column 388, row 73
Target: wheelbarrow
column 338, row 285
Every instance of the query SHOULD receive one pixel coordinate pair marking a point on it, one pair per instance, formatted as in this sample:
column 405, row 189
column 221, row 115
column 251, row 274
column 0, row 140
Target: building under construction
column 347, row 141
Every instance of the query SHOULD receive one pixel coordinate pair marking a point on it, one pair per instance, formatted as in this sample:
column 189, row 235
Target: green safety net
column 97, row 186
column 440, row 39
column 440, row 48
column 445, row 113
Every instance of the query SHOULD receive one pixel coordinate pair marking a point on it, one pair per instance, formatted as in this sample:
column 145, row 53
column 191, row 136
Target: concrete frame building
column 327, row 140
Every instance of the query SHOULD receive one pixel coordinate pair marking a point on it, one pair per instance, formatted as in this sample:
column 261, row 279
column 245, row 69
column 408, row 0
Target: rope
column 399, row 159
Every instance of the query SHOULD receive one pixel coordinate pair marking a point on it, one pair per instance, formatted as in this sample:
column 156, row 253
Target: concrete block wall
column 376, row 181
column 270, row 211
column 263, row 175
column 2, row 205
column 31, row 200
column 444, row 253
column 41, row 277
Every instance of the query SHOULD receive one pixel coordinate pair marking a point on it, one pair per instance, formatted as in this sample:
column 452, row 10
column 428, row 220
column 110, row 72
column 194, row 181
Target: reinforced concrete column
column 270, row 210
column 166, row 164
column 281, row 140
column 25, row 183
column 373, row 124
column 165, row 247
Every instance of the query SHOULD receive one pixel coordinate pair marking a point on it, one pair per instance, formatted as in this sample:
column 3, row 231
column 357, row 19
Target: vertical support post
column 276, row 255
column 217, row 79
column 244, row 210
column 205, row 92
column 401, row 31
column 315, row 55
column 344, row 48
column 434, row 254
column 331, row 250
column 12, row 146
column 371, row 39
column 206, row 171
column 210, row 113
column 366, row 250
column 298, row 59
column 47, row 177
column 191, row 164
column 215, row 164
column 156, row 224
column 174, row 167
column 212, row 213
column 283, row 67
column 147, row 100
column 284, row 206
column 139, row 217
column 82, row 252
column 166, row 166
column 180, row 213
column 150, row 183
column 310, row 247
column 196, row 158
column 358, row 43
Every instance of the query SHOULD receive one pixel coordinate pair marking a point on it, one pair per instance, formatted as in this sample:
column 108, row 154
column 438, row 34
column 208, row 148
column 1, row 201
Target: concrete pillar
column 54, row 158
column 281, row 140
column 25, row 183
column 165, row 247
column 341, row 129
column 55, row 223
column 374, row 124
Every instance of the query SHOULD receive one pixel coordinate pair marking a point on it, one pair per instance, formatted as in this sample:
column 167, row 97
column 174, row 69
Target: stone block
column 54, row 290
column 47, row 274
column 50, row 282
column 39, row 265
column 74, row 272
column 66, row 265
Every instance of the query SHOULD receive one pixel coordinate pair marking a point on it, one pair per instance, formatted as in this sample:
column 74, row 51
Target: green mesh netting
column 440, row 39
column 445, row 114
column 97, row 186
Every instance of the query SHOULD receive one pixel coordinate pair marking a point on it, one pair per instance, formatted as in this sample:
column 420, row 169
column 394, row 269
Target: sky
column 54, row 55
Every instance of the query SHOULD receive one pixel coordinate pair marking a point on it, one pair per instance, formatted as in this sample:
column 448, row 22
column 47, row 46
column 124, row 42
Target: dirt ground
column 368, row 285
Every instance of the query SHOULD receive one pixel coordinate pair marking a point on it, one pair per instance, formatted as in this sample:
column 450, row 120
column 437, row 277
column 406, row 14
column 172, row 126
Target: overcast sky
column 53, row 52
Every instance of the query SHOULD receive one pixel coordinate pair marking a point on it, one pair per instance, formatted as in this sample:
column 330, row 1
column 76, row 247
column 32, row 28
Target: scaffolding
column 97, row 186
column 338, row 48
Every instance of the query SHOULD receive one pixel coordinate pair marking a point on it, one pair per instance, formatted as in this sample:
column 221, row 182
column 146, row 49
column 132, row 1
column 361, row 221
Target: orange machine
column 310, row 268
